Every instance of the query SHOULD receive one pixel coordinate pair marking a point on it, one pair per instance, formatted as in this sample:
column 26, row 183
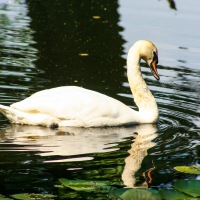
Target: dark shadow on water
column 78, row 42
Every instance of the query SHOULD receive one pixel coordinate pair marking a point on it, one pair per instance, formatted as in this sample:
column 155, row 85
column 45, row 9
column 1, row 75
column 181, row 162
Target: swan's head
column 149, row 53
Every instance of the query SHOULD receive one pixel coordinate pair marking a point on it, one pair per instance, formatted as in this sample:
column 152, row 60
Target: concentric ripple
column 178, row 101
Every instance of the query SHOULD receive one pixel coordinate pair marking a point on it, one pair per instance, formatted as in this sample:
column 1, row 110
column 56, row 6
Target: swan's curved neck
column 145, row 101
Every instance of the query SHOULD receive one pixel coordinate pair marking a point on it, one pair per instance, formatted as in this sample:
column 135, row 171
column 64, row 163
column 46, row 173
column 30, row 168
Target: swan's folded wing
column 72, row 103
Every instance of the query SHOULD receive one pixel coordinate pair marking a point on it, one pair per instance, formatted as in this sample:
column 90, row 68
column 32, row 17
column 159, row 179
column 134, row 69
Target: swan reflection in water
column 141, row 143
column 71, row 141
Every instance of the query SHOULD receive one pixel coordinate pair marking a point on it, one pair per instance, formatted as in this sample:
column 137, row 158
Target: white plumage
column 79, row 107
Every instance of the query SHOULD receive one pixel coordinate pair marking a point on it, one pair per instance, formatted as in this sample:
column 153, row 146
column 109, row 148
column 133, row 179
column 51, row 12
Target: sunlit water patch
column 18, row 74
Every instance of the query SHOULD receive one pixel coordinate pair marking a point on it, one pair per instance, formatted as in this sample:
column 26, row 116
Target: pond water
column 45, row 44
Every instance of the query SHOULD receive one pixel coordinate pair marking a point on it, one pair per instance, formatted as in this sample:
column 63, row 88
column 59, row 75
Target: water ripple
column 18, row 73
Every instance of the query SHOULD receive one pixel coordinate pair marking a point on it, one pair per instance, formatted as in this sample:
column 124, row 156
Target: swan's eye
column 155, row 57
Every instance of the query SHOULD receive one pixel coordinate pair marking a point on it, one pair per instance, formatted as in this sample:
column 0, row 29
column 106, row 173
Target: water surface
column 45, row 44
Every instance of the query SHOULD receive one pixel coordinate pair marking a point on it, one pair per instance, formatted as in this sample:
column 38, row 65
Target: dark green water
column 45, row 44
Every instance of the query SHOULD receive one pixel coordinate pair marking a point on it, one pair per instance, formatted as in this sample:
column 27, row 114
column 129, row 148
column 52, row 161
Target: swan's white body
column 79, row 107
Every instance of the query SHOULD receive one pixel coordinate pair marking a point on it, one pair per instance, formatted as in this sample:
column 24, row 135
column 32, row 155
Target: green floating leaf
column 4, row 198
column 59, row 186
column 133, row 194
column 84, row 185
column 172, row 195
column 188, row 169
column 190, row 187
column 32, row 196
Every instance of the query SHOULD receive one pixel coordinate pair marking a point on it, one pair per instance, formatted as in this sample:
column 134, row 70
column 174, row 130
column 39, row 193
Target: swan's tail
column 16, row 116
column 9, row 112
column 21, row 117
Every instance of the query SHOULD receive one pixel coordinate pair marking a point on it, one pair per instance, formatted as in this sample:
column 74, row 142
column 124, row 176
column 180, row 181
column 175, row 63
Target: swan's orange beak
column 153, row 67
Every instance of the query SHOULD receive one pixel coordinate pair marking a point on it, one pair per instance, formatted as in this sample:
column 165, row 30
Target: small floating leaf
column 133, row 194
column 83, row 54
column 191, row 187
column 188, row 169
column 96, row 17
column 172, row 195
column 84, row 185
column 4, row 198
column 59, row 186
column 32, row 196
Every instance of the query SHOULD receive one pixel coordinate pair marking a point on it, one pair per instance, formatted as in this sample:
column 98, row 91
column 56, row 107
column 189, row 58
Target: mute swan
column 79, row 107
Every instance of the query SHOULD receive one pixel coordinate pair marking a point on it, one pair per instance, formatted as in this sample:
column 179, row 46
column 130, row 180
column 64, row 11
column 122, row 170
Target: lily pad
column 172, row 195
column 4, row 198
column 188, row 169
column 190, row 187
column 84, row 185
column 133, row 194
column 32, row 196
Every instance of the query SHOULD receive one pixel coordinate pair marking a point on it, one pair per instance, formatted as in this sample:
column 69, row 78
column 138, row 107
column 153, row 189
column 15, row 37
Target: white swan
column 79, row 107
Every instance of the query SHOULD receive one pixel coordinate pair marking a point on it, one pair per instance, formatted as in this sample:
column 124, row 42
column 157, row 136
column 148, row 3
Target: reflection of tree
column 65, row 30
